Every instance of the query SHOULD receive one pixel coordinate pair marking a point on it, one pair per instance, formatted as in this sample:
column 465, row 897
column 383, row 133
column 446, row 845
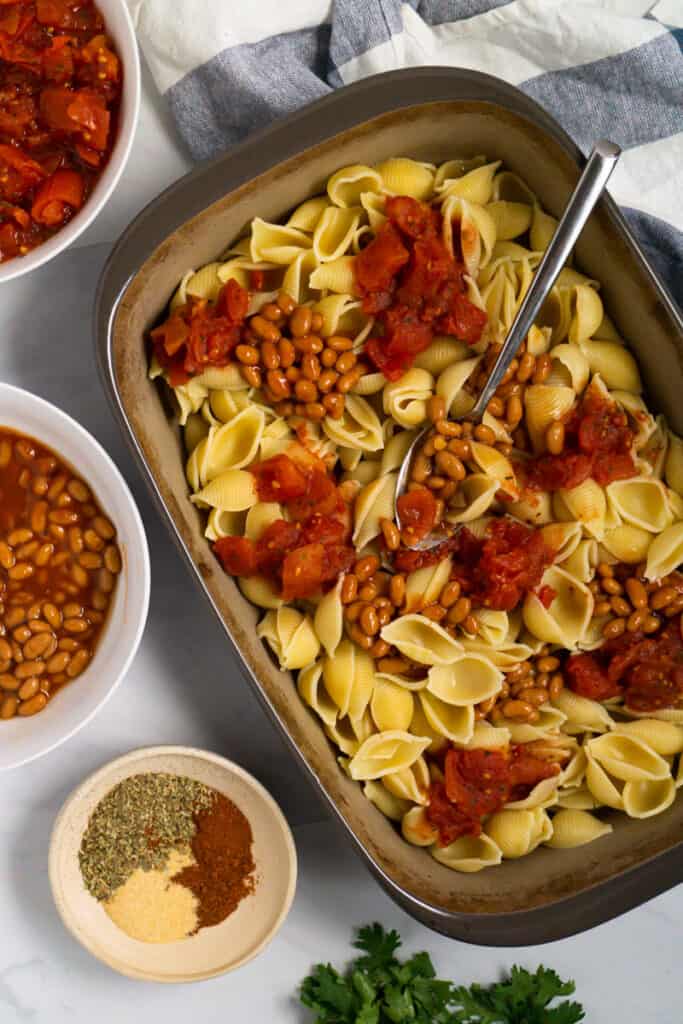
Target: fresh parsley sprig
column 377, row 988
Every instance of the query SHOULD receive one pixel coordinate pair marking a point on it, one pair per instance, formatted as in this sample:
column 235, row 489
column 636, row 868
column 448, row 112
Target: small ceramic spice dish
column 212, row 950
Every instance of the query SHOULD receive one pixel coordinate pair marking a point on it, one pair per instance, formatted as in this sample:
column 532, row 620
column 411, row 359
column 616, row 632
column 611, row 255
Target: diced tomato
column 58, row 61
column 409, row 215
column 553, row 472
column 302, row 571
column 477, row 780
column 417, row 512
column 585, row 676
column 464, row 320
column 257, row 280
column 23, row 172
column 338, row 559
column 325, row 529
column 393, row 366
column 526, row 771
column 274, row 543
column 237, row 555
column 233, row 301
column 610, row 466
column 58, row 197
column 82, row 111
column 378, row 264
column 449, row 820
column 546, row 596
column 279, row 479
column 496, row 571
column 319, row 496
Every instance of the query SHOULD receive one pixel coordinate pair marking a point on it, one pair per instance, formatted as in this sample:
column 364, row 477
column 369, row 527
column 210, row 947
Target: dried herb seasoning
column 137, row 825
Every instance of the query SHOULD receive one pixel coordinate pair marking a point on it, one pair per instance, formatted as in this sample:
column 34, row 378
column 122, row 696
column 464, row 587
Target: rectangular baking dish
column 430, row 114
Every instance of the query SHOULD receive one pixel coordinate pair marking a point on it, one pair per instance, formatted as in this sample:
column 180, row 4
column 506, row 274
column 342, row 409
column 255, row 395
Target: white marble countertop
column 184, row 688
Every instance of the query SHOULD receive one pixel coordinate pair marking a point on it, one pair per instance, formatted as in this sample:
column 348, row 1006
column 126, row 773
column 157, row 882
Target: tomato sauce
column 60, row 89
column 646, row 670
column 479, row 782
column 417, row 514
column 598, row 443
column 413, row 286
column 304, row 554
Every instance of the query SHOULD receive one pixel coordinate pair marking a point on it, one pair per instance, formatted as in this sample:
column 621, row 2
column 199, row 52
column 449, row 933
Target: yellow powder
column 152, row 908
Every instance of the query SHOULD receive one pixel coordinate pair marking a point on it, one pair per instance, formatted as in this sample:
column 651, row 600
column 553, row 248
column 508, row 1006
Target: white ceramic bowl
column 23, row 739
column 119, row 27
column 216, row 950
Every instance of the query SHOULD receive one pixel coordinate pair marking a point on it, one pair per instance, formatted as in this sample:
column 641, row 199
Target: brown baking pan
column 429, row 114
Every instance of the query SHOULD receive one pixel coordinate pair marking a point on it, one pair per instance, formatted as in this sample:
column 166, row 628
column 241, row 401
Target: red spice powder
column 224, row 872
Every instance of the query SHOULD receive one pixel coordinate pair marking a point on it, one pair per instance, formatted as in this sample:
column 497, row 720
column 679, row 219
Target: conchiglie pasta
column 349, row 678
column 478, row 492
column 476, row 186
column 545, row 404
column 614, row 363
column 358, row 428
column 308, row 214
column 422, row 640
column 627, row 543
column 232, row 491
column 417, row 829
column 470, row 679
column 469, row 853
column 627, row 758
column 582, row 714
column 511, row 219
column 391, row 706
column 642, row 502
column 291, row 637
column 573, row 828
column 274, row 243
column 443, row 352
column 494, row 465
column 386, row 753
column 328, row 620
column 374, row 502
column 410, row 784
column 665, row 553
column 644, row 799
column 566, row 619
column 665, row 738
column 346, row 185
column 423, row 586
column 673, row 466
column 260, row 592
column 406, row 400
column 404, row 177
column 450, row 385
column 448, row 720
column 311, row 691
column 587, row 505
column 517, row 833
column 334, row 232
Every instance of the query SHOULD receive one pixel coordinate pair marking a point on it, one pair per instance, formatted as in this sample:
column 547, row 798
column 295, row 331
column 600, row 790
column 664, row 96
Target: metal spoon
column 596, row 173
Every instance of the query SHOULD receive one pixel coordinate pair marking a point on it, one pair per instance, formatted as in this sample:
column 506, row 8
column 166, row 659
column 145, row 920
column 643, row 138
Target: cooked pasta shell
column 231, row 491
column 569, row 367
column 549, row 721
column 665, row 738
column 562, row 538
column 423, row 586
column 488, row 737
column 642, row 502
column 451, row 381
column 328, row 620
column 455, row 723
column 404, row 681
column 334, row 232
column 511, row 219
column 443, row 352
column 291, row 637
column 587, row 505
column 577, row 798
column 403, row 177
column 469, row 680
column 556, row 314
column 421, row 726
column 224, row 378
column 422, row 640
column 234, row 444
column 545, row 404
column 410, row 784
column 573, row 773
column 391, row 706
column 308, row 214
column 312, row 693
column 494, row 465
column 374, row 502
column 543, row 227
column 582, row 714
column 468, row 853
column 346, row 185
column 260, row 592
column 195, row 430
column 476, row 230
column 369, row 384
column 417, row 829
column 627, row 543
column 665, row 553
column 332, row 308
column 646, row 798
column 494, row 626
column 349, row 678
column 348, row 735
column 358, row 428
column 538, row 340
column 478, row 493
column 205, row 283
column 385, row 753
column 337, row 275
column 190, row 398
column 627, row 758
column 224, row 524
column 566, row 619
column 391, row 806
column 505, row 656
column 543, row 794
column 297, row 279
column 614, row 363
column 673, row 466
column 534, row 508
column 605, row 789
column 587, row 313
column 396, row 449
column 510, row 187
column 517, row 833
column 576, row 828
column 405, row 400
column 583, row 560
column 475, row 186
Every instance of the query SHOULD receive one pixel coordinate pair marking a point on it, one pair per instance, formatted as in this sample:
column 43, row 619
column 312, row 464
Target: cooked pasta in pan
column 515, row 684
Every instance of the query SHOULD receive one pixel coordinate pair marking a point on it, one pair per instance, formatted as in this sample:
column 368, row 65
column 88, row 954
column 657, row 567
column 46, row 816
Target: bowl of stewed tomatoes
column 69, row 100
column 74, row 577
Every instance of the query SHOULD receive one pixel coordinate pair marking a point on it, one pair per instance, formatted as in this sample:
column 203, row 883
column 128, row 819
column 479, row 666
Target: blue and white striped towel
column 601, row 67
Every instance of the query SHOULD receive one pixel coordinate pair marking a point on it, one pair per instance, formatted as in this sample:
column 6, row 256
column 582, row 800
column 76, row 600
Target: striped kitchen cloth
column 602, row 67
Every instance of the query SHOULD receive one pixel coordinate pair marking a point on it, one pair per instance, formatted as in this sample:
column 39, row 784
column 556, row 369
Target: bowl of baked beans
column 74, row 577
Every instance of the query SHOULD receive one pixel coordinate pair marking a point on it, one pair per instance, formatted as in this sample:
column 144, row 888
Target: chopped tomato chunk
column 477, row 780
column 237, row 555
column 320, row 495
column 417, row 512
column 586, row 677
column 302, row 571
column 58, row 197
column 279, row 479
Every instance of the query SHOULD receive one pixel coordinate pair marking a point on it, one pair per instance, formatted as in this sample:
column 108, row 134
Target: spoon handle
column 599, row 166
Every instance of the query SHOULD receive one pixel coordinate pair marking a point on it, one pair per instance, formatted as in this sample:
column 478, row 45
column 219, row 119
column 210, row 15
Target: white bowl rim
column 140, row 755
column 140, row 538
column 120, row 153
